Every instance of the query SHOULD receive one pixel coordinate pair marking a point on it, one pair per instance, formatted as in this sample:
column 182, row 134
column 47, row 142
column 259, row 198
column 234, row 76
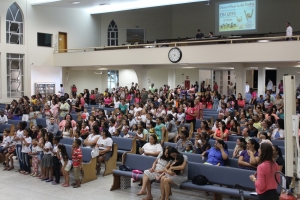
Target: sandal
column 73, row 184
column 6, row 168
column 26, row 173
column 10, row 168
column 76, row 186
column 148, row 198
column 66, row 185
column 141, row 193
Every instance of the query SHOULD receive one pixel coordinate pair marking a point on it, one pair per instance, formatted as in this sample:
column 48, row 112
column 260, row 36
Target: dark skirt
column 269, row 195
column 107, row 155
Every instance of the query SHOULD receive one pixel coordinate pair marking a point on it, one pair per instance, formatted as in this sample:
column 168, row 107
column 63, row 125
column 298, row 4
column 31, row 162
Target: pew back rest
column 86, row 153
column 196, row 158
column 123, row 143
column 68, row 141
column 5, row 126
column 135, row 161
column 15, row 123
column 171, row 144
column 221, row 175
column 41, row 121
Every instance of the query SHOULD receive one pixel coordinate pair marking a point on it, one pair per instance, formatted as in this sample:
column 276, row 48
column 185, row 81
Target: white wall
column 127, row 76
column 41, row 74
column 81, row 27
column 85, row 79
column 158, row 76
column 181, row 74
column 157, row 22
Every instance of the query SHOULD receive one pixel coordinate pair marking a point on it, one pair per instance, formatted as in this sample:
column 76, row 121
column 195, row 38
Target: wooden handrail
column 153, row 45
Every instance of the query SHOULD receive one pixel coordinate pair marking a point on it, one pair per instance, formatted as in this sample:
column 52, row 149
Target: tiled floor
column 14, row 185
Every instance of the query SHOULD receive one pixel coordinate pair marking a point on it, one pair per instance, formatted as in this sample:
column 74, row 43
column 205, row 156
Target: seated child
column 189, row 149
column 10, row 153
column 5, row 142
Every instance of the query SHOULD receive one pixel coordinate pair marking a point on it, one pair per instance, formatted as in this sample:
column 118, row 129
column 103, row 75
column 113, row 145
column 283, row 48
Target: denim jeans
column 19, row 155
column 26, row 163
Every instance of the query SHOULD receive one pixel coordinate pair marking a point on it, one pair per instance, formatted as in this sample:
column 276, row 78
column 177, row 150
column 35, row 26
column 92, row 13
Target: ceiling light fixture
column 37, row 2
column 208, row 3
column 137, row 4
column 75, row 2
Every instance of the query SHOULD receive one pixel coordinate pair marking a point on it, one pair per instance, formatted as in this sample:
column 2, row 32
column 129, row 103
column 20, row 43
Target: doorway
column 187, row 84
column 62, row 42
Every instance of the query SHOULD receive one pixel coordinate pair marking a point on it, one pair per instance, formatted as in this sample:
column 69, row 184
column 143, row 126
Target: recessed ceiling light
column 75, row 2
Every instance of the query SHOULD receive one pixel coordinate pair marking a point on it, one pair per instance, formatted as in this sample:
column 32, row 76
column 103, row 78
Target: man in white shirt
column 62, row 90
column 270, row 85
column 3, row 118
column 289, row 31
column 247, row 87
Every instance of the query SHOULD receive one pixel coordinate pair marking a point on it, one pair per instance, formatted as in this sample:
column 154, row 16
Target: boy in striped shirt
column 77, row 161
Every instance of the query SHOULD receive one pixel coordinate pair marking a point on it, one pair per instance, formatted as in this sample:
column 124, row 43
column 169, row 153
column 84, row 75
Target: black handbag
column 124, row 168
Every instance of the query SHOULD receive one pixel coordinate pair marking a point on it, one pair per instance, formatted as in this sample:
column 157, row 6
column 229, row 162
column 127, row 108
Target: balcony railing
column 188, row 42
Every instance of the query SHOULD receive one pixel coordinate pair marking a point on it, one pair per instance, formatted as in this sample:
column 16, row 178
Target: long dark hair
column 63, row 152
column 280, row 123
column 266, row 153
column 179, row 161
column 172, row 150
column 279, row 152
column 163, row 156
column 255, row 143
column 50, row 137
column 223, row 144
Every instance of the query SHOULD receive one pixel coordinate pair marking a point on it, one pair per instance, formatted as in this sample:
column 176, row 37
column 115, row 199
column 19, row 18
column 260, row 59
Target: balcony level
column 206, row 51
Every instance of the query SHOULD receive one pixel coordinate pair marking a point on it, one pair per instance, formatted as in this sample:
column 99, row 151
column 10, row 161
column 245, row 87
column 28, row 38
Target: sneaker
column 49, row 180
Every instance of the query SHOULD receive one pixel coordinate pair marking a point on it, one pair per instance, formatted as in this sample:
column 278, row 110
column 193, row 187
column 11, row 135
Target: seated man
column 52, row 127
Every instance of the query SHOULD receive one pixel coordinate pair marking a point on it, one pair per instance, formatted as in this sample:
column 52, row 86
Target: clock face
column 175, row 55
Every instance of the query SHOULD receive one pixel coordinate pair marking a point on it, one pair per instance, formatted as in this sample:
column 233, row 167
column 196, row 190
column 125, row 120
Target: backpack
column 199, row 180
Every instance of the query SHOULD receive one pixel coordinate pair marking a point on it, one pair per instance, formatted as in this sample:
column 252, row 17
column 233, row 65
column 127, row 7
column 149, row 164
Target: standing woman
column 167, row 181
column 93, row 98
column 86, row 96
column 191, row 113
column 108, row 101
column 215, row 100
column 64, row 108
column 54, row 110
column 160, row 130
column 265, row 182
column 171, row 127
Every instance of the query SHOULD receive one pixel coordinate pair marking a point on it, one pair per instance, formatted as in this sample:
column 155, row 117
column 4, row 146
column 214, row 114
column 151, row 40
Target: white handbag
column 95, row 152
column 25, row 117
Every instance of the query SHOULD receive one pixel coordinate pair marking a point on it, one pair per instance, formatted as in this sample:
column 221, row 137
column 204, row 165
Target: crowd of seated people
column 151, row 116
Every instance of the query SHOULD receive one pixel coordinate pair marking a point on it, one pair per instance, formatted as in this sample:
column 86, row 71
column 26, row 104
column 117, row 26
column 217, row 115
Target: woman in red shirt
column 264, row 181
column 221, row 132
column 93, row 98
column 191, row 113
column 108, row 101
column 240, row 101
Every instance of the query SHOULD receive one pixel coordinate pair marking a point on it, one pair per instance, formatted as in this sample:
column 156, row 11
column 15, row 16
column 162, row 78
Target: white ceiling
column 93, row 6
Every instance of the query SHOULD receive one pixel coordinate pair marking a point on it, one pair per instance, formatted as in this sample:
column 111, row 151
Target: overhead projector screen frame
column 233, row 32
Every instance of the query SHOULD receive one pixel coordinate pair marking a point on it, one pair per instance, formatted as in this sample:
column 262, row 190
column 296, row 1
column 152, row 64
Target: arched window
column 14, row 25
column 112, row 34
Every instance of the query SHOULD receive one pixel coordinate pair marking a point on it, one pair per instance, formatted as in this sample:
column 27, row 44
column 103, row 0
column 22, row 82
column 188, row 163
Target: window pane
column 112, row 42
column 112, row 34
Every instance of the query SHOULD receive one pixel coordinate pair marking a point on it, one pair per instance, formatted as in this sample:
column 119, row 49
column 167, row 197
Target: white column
column 172, row 78
column 261, row 81
column 142, row 77
column 240, row 73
